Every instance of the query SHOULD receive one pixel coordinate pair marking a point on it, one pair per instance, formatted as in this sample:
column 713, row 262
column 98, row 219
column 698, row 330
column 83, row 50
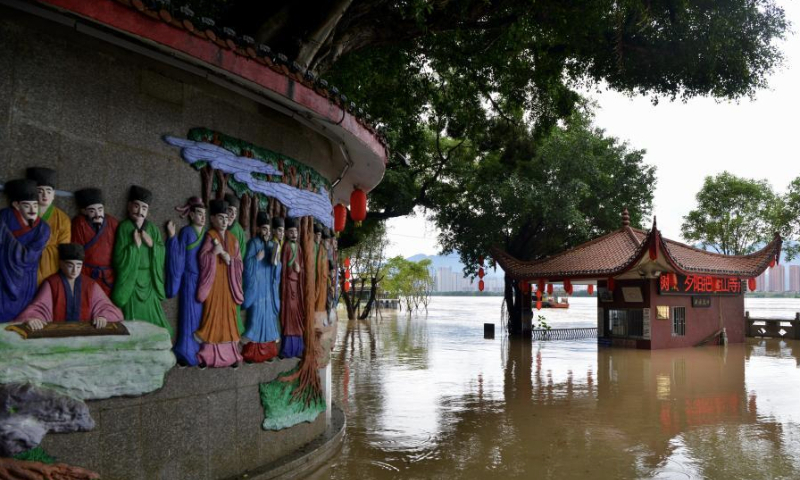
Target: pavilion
column 653, row 292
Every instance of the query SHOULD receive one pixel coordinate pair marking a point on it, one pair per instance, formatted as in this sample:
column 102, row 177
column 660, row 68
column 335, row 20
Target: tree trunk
column 348, row 299
column 373, row 291
column 513, row 309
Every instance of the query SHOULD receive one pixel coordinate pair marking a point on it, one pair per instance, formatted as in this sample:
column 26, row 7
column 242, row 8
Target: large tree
column 734, row 215
column 452, row 68
column 535, row 197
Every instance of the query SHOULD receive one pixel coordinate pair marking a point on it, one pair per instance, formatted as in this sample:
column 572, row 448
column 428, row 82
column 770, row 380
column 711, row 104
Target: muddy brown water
column 428, row 397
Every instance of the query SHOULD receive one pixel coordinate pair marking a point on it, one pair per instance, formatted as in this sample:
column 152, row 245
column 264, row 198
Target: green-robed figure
column 235, row 229
column 139, row 254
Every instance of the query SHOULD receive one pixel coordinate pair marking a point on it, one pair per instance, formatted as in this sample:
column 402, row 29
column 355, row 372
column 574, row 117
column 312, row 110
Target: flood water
column 429, row 397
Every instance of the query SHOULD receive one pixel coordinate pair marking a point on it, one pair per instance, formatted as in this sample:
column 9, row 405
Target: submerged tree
column 734, row 215
column 409, row 281
column 367, row 262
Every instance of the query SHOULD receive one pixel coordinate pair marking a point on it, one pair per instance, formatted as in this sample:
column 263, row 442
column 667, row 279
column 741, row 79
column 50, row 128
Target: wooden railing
column 772, row 327
column 564, row 333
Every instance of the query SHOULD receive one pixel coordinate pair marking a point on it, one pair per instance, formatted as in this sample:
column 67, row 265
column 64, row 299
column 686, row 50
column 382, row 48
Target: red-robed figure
column 292, row 299
column 96, row 231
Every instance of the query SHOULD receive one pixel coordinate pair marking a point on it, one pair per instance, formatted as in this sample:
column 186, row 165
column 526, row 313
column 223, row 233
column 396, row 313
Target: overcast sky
column 686, row 142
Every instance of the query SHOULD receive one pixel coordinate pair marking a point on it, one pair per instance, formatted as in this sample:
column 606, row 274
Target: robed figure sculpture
column 68, row 296
column 220, row 290
column 261, row 295
column 23, row 236
column 183, row 273
column 139, row 263
column 56, row 219
column 96, row 230
column 292, row 298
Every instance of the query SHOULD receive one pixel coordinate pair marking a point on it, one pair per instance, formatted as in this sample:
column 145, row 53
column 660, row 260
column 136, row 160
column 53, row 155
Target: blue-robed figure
column 262, row 273
column 182, row 272
column 23, row 237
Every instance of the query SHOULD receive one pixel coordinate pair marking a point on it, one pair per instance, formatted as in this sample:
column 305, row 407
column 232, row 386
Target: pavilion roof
column 619, row 251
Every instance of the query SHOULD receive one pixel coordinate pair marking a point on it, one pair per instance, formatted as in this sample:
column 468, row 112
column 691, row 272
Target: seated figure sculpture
column 68, row 296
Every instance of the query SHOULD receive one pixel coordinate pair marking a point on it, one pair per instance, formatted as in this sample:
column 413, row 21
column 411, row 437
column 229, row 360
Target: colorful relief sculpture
column 333, row 272
column 96, row 231
column 58, row 221
column 322, row 276
column 261, row 295
column 68, row 296
column 292, row 298
column 236, row 229
column 220, row 290
column 23, row 237
column 182, row 274
column 139, row 263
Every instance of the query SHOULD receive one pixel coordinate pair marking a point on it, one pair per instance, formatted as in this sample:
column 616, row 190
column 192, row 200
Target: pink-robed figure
column 220, row 289
column 68, row 296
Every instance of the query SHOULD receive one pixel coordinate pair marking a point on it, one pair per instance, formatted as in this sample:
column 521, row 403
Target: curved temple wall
column 97, row 113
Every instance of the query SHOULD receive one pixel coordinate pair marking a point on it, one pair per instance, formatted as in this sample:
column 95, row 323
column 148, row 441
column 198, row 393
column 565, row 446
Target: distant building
column 794, row 278
column 761, row 282
column 777, row 278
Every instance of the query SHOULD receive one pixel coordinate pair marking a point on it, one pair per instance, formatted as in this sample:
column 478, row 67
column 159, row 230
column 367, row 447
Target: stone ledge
column 306, row 459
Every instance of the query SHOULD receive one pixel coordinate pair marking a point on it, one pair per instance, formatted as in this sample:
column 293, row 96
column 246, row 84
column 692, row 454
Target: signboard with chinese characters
column 646, row 323
column 700, row 285
column 701, row 302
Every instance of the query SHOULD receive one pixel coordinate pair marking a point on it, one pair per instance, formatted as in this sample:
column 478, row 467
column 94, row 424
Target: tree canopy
column 442, row 74
column 734, row 215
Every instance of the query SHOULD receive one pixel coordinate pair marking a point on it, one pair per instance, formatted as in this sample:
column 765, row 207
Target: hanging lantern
column 772, row 263
column 339, row 217
column 610, row 284
column 568, row 287
column 347, row 274
column 358, row 206
column 538, row 305
column 481, row 273
column 539, row 295
column 591, row 290
column 751, row 284
column 480, row 285
column 347, row 262
column 549, row 288
column 347, row 286
column 541, row 284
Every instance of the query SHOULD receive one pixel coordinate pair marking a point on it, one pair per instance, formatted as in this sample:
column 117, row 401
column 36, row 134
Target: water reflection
column 430, row 398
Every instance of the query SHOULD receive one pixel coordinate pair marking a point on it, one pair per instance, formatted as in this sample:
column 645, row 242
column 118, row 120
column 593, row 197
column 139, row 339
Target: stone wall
column 203, row 424
column 96, row 113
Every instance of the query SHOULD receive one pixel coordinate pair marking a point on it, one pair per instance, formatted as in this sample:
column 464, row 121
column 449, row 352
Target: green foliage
column 734, row 215
column 281, row 410
column 36, row 455
column 789, row 220
column 411, row 281
column 573, row 188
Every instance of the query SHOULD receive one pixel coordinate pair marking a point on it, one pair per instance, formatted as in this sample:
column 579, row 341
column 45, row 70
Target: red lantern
column 481, row 274
column 549, row 288
column 591, row 289
column 539, row 305
column 541, row 284
column 358, row 206
column 347, row 274
column 751, row 284
column 539, row 295
column 568, row 287
column 339, row 217
column 772, row 263
column 610, row 284
column 347, row 262
column 346, row 286
column 480, row 285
